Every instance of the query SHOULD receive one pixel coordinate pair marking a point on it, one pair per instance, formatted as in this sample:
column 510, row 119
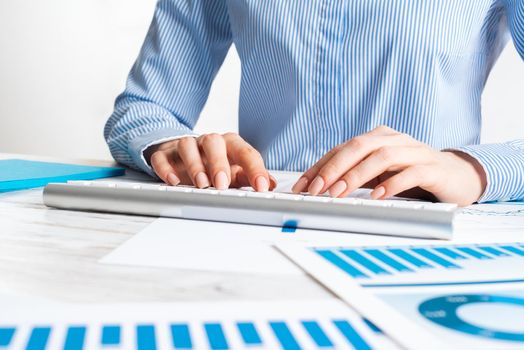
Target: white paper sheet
column 213, row 246
column 234, row 325
column 468, row 295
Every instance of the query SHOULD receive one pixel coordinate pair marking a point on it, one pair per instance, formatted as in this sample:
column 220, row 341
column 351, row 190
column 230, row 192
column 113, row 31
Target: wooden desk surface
column 49, row 253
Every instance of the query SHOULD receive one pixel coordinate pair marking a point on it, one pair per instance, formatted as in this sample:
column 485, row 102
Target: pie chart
column 445, row 311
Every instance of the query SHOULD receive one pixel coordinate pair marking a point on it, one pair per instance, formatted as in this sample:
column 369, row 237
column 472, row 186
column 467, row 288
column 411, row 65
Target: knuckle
column 357, row 142
column 231, row 135
column 329, row 170
column 385, row 153
column 417, row 172
column 352, row 178
column 383, row 128
column 193, row 169
column 248, row 153
column 210, row 138
column 405, row 137
column 156, row 158
column 184, row 142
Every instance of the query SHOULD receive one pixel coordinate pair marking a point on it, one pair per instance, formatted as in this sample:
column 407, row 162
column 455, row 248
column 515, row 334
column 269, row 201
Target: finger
column 214, row 148
column 390, row 158
column 352, row 153
column 243, row 154
column 164, row 167
column 189, row 153
column 305, row 180
column 240, row 179
column 424, row 176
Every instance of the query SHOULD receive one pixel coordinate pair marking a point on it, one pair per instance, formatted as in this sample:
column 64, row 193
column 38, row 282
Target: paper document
column 469, row 295
column 216, row 246
column 269, row 325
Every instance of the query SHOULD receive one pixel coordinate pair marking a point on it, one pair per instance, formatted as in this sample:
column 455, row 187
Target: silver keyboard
column 388, row 217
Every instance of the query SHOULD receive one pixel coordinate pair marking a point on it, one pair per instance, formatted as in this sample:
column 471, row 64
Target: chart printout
column 470, row 295
column 315, row 324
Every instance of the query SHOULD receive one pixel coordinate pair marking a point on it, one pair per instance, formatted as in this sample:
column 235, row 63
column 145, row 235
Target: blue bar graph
column 401, row 253
column 38, row 338
column 317, row 334
column 181, row 336
column 145, row 337
column 216, row 337
column 404, row 262
column 249, row 333
column 341, row 263
column 450, row 253
column 513, row 250
column 474, row 253
column 288, row 334
column 6, row 335
column 493, row 251
column 435, row 258
column 110, row 335
column 75, row 338
column 351, row 335
column 387, row 260
column 284, row 335
column 362, row 260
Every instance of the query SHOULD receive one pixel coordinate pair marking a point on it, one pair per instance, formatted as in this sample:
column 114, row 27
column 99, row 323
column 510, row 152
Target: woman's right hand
column 221, row 161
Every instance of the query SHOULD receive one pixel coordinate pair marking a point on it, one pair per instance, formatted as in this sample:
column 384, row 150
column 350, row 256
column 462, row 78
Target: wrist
column 473, row 170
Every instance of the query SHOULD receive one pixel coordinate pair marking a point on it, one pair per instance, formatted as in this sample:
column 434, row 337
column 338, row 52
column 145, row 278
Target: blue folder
column 18, row 174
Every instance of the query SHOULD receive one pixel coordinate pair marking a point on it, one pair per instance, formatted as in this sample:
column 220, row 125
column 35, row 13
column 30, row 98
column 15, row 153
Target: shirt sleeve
column 170, row 80
column 504, row 162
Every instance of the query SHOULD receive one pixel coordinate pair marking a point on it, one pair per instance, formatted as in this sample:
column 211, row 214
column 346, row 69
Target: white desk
column 50, row 253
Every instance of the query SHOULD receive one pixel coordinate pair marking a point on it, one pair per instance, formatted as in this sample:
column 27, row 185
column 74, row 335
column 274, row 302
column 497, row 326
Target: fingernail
column 262, row 184
column 201, row 180
column 221, row 181
column 378, row 192
column 337, row 189
column 300, row 185
column 173, row 179
column 316, row 186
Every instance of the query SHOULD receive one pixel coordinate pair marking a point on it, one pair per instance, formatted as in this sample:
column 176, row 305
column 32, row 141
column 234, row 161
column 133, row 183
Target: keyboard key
column 293, row 197
column 439, row 206
column 267, row 195
column 317, row 199
column 407, row 204
column 376, row 203
column 182, row 189
column 354, row 201
column 232, row 193
column 204, row 191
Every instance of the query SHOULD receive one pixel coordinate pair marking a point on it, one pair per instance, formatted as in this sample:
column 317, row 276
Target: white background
column 63, row 62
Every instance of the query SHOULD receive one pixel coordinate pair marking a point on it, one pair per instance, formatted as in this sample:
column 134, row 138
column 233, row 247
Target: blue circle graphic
column 443, row 311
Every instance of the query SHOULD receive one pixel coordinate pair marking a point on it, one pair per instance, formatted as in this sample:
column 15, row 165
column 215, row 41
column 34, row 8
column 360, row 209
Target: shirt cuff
column 139, row 144
column 503, row 165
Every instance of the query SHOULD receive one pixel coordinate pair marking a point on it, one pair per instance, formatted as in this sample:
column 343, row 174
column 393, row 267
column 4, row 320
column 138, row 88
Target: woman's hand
column 215, row 160
column 393, row 163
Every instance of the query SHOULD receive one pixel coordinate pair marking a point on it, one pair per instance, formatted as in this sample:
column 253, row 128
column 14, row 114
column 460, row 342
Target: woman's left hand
column 394, row 163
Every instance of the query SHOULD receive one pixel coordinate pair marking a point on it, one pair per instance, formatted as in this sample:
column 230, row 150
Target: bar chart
column 397, row 266
column 245, row 327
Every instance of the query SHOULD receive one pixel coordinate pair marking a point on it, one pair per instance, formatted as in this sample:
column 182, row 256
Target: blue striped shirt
column 316, row 73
